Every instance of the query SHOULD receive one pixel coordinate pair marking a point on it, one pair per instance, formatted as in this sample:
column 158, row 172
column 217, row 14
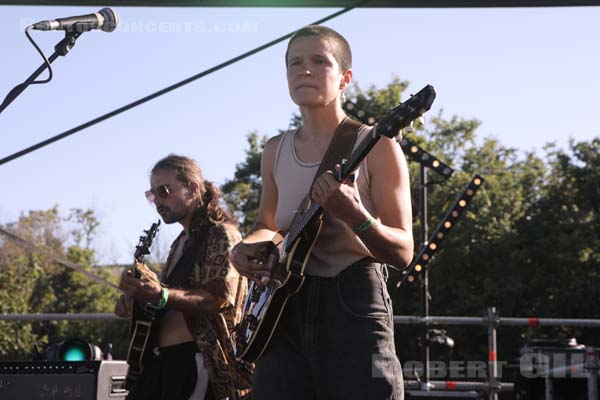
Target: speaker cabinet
column 58, row 380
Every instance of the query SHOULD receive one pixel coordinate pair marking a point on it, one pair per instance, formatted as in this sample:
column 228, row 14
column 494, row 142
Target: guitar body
column 141, row 326
column 141, row 329
column 265, row 303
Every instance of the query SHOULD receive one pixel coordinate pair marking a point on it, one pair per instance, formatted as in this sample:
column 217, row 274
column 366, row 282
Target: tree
column 31, row 283
column 242, row 193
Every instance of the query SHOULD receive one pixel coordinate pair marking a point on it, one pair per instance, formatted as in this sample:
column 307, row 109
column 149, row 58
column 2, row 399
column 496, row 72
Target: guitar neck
column 315, row 210
column 396, row 119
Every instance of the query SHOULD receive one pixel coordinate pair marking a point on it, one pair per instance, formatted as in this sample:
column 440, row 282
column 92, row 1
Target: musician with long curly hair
column 199, row 297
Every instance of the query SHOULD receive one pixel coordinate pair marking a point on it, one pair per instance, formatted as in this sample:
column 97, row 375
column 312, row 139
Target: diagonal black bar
column 428, row 250
column 169, row 88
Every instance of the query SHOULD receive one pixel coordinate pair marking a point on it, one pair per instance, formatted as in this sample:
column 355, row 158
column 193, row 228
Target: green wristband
column 164, row 298
column 364, row 226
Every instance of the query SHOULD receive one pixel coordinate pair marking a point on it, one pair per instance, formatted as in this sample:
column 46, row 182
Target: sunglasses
column 161, row 191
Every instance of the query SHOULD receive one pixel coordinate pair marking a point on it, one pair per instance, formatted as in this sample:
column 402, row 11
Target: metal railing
column 60, row 317
column 588, row 368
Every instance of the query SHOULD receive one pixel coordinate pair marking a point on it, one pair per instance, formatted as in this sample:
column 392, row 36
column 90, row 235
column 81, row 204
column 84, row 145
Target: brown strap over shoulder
column 340, row 147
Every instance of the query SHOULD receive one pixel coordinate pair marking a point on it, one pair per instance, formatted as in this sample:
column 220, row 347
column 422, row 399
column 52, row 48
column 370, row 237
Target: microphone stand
column 60, row 49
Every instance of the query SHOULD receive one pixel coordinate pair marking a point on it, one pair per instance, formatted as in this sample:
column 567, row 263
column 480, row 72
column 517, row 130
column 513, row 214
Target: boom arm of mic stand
column 61, row 49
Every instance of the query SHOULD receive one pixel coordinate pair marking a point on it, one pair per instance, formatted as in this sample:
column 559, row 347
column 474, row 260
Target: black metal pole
column 61, row 49
column 17, row 90
column 423, row 235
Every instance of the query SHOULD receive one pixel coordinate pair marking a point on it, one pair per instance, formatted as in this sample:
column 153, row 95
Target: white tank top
column 338, row 246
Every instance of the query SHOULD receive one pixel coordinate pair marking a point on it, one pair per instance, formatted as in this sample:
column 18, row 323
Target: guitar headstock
column 401, row 116
column 410, row 148
column 143, row 247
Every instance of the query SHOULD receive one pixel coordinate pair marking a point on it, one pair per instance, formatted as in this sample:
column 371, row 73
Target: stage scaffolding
column 588, row 368
column 492, row 386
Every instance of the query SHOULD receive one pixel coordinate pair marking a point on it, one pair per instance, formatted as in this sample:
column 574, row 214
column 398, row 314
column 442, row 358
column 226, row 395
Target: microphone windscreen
column 111, row 19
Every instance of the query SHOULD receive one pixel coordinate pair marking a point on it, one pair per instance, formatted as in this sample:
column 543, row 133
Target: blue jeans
column 335, row 340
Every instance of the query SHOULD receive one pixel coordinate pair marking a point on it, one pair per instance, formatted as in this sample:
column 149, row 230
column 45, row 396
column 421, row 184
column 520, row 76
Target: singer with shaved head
column 199, row 297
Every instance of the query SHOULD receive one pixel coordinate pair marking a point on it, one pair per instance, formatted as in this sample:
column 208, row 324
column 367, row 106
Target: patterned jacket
column 213, row 272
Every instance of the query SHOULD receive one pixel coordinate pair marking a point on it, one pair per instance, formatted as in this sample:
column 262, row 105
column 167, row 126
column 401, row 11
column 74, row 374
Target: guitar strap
column 180, row 273
column 340, row 147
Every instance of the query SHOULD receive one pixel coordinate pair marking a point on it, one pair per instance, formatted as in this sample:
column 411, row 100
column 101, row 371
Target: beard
column 170, row 216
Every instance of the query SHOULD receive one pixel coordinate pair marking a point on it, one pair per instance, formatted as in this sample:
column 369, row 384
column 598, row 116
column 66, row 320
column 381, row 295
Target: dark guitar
column 265, row 303
column 142, row 316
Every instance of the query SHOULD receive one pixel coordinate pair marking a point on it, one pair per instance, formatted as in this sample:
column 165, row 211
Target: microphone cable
column 34, row 44
column 21, row 86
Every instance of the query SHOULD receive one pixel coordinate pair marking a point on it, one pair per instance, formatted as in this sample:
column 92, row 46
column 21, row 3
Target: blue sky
column 530, row 76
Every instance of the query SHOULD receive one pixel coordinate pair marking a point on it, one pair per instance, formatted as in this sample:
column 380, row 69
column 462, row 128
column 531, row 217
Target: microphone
column 105, row 19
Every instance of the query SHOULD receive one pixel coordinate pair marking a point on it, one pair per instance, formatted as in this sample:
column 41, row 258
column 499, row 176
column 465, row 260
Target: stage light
column 416, row 153
column 411, row 149
column 426, row 253
column 73, row 350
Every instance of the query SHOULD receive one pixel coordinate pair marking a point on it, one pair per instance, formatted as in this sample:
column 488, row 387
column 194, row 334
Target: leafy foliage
column 30, row 282
column 242, row 193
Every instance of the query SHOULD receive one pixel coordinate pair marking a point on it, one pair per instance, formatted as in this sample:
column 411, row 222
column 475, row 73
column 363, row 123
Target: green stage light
column 75, row 350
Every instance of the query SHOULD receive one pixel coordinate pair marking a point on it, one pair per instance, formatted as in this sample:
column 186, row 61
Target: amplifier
column 58, row 380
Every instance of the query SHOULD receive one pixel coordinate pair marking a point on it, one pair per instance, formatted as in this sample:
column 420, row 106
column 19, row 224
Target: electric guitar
column 265, row 303
column 142, row 316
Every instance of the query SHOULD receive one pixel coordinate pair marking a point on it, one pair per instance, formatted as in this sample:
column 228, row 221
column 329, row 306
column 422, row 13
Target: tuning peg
column 422, row 120
column 410, row 128
column 399, row 136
